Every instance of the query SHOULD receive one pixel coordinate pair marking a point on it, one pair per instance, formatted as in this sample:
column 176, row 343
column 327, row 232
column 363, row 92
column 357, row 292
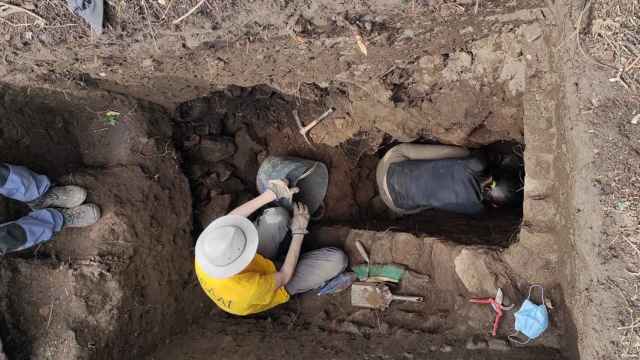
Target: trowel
column 376, row 296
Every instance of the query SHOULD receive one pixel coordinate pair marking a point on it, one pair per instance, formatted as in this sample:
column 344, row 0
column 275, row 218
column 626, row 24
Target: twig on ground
column 50, row 315
column 633, row 245
column 578, row 27
column 628, row 327
column 393, row 67
column 8, row 9
column 475, row 9
column 151, row 30
column 164, row 15
column 618, row 78
column 193, row 9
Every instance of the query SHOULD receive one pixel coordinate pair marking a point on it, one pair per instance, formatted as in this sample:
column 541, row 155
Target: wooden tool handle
column 362, row 251
column 407, row 298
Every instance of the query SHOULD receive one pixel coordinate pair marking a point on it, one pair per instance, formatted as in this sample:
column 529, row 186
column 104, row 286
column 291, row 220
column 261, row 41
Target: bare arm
column 298, row 229
column 289, row 267
column 429, row 152
column 251, row 206
column 278, row 189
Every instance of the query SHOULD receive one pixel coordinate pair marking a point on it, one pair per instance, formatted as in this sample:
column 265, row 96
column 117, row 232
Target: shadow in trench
column 224, row 137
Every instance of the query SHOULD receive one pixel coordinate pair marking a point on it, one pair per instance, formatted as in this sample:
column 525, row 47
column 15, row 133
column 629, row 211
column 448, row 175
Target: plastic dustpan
column 376, row 296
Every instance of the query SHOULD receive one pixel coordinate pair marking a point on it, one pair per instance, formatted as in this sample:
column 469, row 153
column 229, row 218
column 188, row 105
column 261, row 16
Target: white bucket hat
column 227, row 246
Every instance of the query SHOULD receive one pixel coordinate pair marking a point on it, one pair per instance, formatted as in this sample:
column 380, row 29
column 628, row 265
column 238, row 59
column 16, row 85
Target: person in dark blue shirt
column 416, row 177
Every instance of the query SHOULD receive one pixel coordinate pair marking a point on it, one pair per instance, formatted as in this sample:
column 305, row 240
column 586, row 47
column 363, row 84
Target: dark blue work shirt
column 446, row 184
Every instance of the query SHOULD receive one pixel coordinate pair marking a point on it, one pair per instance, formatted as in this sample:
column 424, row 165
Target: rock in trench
column 498, row 344
column 217, row 174
column 471, row 268
column 217, row 206
column 192, row 109
column 214, row 150
column 476, row 344
column 246, row 156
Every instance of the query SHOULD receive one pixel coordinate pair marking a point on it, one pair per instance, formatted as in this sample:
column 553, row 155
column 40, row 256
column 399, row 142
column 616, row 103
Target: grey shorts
column 314, row 268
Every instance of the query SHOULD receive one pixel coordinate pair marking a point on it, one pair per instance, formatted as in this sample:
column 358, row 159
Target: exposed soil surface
column 203, row 102
column 91, row 284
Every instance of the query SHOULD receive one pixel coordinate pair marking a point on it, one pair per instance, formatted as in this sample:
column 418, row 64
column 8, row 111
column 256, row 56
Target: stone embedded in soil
column 214, row 150
column 232, row 185
column 335, row 130
column 192, row 110
column 349, row 328
column 537, row 189
column 417, row 320
column 526, row 259
column 190, row 141
column 381, row 250
column 415, row 283
column 363, row 317
column 407, row 250
column 458, row 66
column 498, row 345
column 472, row 270
column 222, row 171
column 214, row 121
column 476, row 344
column 541, row 213
column 217, row 174
column 215, row 208
column 444, row 275
column 246, row 156
column 201, row 129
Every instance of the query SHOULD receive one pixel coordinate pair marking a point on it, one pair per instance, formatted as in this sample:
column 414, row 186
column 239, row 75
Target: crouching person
column 235, row 259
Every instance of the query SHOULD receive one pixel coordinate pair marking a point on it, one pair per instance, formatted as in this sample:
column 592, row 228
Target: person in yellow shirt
column 235, row 258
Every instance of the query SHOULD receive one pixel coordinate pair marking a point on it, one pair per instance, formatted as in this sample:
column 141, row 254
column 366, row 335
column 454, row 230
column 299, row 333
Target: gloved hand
column 281, row 189
column 300, row 219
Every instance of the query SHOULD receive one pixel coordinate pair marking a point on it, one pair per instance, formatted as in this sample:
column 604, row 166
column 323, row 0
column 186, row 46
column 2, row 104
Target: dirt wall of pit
column 114, row 289
column 565, row 222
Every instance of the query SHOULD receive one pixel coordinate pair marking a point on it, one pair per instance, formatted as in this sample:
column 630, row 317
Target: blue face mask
column 531, row 320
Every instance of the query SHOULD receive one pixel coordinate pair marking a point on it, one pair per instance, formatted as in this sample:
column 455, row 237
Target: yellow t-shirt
column 248, row 292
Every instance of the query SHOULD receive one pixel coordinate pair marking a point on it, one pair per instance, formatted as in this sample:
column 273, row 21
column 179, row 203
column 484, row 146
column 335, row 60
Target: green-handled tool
column 377, row 272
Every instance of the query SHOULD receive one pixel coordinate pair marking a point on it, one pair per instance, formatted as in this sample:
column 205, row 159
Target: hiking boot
column 79, row 216
column 60, row 197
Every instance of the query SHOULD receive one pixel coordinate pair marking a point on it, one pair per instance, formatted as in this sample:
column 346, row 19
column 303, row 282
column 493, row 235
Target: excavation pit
column 225, row 136
column 133, row 272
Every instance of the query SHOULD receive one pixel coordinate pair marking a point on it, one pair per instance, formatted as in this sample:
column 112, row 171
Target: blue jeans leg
column 23, row 184
column 37, row 227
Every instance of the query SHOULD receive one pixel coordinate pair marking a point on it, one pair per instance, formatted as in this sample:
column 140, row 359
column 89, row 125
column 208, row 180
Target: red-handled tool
column 496, row 304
